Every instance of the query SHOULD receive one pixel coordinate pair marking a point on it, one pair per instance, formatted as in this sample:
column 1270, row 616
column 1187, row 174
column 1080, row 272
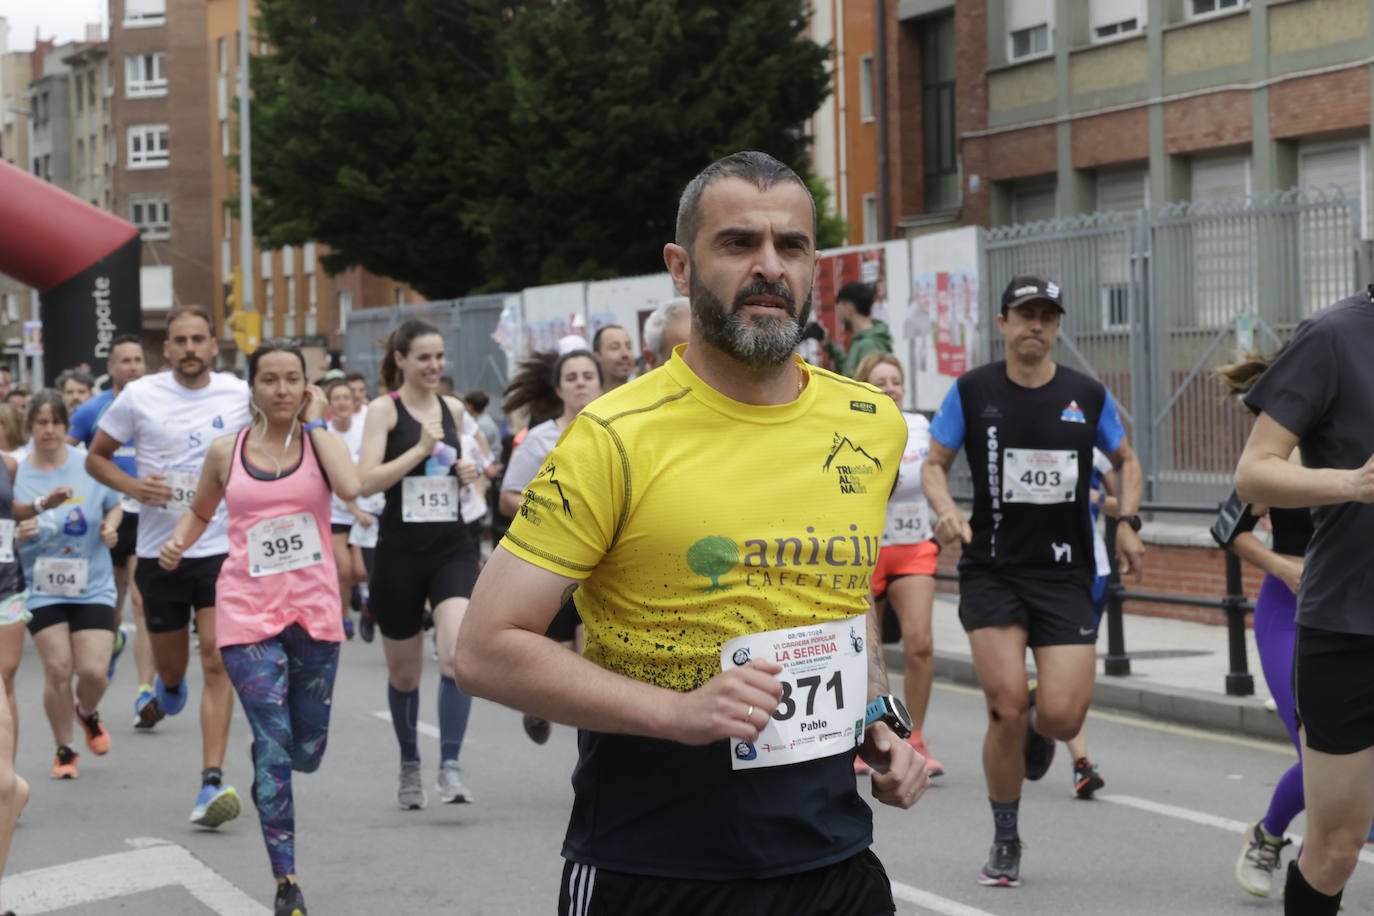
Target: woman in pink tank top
column 277, row 618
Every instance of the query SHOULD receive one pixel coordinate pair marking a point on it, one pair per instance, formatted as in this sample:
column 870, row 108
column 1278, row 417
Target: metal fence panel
column 472, row 357
column 1152, row 308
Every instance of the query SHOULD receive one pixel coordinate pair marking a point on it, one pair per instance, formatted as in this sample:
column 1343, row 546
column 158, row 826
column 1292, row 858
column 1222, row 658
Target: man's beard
column 759, row 342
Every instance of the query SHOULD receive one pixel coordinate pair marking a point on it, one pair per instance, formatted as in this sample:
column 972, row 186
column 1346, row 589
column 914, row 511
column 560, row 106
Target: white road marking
column 1199, row 817
column 424, row 728
column 934, row 902
column 156, row 864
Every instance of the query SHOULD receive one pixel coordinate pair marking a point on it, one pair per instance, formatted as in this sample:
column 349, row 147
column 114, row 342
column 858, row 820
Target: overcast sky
column 64, row 20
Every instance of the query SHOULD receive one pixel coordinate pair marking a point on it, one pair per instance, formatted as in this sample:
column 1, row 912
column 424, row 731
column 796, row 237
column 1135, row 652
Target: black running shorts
column 169, row 598
column 1333, row 686
column 128, row 540
column 857, row 886
column 1054, row 610
column 402, row 581
column 75, row 616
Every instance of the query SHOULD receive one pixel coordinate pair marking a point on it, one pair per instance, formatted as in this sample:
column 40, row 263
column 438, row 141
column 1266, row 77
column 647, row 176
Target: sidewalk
column 1178, row 672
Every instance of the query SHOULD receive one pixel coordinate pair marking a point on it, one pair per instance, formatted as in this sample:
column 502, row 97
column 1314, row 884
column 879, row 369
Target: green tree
column 465, row 147
column 367, row 123
column 713, row 557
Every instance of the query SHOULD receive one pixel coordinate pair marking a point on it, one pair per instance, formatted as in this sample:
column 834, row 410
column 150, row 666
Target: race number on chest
column 429, row 499
column 282, row 544
column 183, row 486
column 1040, row 477
column 824, row 690
column 61, row 576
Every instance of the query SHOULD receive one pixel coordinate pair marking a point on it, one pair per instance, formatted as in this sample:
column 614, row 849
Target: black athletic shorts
column 75, row 616
column 857, row 886
column 1054, row 610
column 1333, row 686
column 339, row 528
column 563, row 627
column 128, row 540
column 169, row 598
column 402, row 581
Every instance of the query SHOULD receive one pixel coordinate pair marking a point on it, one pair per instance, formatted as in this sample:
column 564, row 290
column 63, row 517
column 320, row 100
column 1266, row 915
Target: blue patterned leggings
column 285, row 685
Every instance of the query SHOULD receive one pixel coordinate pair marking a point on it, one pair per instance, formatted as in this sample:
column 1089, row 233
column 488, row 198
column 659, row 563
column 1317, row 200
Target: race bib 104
column 61, row 576
column 824, row 690
column 1039, row 477
column 282, row 544
column 429, row 499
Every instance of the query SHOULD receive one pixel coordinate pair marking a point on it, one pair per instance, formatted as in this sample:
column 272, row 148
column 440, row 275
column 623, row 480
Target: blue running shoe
column 147, row 710
column 348, row 627
column 115, row 652
column 215, row 805
column 171, row 702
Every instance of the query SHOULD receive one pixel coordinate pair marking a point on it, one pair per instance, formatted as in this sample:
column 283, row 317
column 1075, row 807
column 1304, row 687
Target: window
column 1032, row 203
column 288, row 261
column 400, row 295
column 141, row 14
column 308, row 257
column 1223, row 261
column 311, row 320
column 1116, row 306
column 224, row 138
column 223, row 46
column 871, row 219
column 145, row 75
column 1330, row 170
column 77, row 80
column 148, row 147
column 345, row 306
column 269, row 307
column 1115, row 29
column 939, row 138
column 1030, row 41
column 265, row 268
column 155, row 286
column 152, row 214
column 290, row 306
column 867, row 89
column 1207, row 7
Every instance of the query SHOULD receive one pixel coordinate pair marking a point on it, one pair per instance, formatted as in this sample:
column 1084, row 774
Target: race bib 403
column 824, row 691
column 1040, row 477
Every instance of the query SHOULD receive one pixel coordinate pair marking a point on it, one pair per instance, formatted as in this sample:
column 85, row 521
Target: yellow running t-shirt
column 693, row 518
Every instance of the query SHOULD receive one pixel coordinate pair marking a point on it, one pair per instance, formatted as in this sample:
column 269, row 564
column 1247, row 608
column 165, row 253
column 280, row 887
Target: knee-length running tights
column 285, row 685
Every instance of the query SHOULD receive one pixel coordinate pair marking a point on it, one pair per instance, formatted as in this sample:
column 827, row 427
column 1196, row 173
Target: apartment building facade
column 993, row 112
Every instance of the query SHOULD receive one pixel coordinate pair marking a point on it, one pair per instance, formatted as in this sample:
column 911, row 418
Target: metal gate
column 472, row 357
column 1154, row 306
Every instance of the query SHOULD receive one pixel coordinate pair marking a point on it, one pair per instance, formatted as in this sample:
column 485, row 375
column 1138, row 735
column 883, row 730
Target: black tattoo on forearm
column 877, row 668
column 568, row 593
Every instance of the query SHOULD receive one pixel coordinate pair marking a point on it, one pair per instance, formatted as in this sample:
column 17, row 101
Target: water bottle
column 440, row 460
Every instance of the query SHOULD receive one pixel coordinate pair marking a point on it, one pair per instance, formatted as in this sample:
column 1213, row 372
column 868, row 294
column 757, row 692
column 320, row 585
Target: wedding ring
column 750, row 714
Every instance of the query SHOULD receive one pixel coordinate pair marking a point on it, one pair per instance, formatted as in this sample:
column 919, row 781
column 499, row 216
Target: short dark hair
column 75, row 375
column 51, row 399
column 333, row 383
column 596, row 338
column 759, row 169
column 126, row 338
column 355, row 377
column 477, row 399
column 859, row 295
column 180, row 311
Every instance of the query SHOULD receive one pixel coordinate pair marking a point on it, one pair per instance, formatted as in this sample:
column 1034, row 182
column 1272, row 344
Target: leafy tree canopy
column 462, row 146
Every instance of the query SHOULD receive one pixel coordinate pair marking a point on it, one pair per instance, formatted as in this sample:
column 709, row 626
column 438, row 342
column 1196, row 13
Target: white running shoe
column 1259, row 859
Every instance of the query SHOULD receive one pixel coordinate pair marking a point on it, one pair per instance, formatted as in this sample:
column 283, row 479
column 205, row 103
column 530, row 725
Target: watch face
column 899, row 708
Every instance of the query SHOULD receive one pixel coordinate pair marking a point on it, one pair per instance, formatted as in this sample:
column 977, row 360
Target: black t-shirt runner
column 1321, row 389
column 427, row 536
column 1031, row 452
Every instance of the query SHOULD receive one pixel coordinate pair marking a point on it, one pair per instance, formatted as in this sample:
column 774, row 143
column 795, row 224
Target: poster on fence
column 833, row 271
column 942, row 325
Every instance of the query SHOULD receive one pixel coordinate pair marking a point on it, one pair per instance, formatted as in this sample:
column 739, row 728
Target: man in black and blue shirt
column 1029, row 427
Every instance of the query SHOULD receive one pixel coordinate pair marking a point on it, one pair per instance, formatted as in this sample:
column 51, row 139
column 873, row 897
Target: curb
column 1134, row 694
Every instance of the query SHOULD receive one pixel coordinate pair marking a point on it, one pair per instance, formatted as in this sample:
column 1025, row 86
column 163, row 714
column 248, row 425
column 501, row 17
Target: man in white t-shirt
column 172, row 417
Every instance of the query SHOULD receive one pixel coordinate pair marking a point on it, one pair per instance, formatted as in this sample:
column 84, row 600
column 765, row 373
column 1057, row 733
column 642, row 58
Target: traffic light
column 245, row 326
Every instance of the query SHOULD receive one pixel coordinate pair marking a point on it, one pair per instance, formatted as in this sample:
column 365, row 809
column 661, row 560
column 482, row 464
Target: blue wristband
column 316, row 423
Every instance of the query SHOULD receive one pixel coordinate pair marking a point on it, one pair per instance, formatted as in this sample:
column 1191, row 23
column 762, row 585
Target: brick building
column 1070, row 106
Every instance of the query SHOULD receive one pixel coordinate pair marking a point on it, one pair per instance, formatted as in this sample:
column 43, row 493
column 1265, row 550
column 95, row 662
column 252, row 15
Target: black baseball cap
column 1027, row 288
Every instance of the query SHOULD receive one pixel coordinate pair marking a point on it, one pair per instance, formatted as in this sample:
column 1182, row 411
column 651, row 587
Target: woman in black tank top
column 412, row 452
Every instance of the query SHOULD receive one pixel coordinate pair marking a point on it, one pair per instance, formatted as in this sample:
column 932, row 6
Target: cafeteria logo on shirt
column 853, row 464
column 713, row 557
column 843, row 560
column 1073, row 414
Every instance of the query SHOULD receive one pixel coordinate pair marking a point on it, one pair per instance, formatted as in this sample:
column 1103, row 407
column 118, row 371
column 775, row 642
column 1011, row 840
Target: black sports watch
column 891, row 710
column 1132, row 520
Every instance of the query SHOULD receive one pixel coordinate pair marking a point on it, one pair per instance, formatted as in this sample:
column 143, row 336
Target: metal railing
column 1117, row 663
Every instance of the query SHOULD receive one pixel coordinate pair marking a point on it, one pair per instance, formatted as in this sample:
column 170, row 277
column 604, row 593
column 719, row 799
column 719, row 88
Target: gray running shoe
column 1259, row 859
column 452, row 789
column 410, row 795
column 1003, row 868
